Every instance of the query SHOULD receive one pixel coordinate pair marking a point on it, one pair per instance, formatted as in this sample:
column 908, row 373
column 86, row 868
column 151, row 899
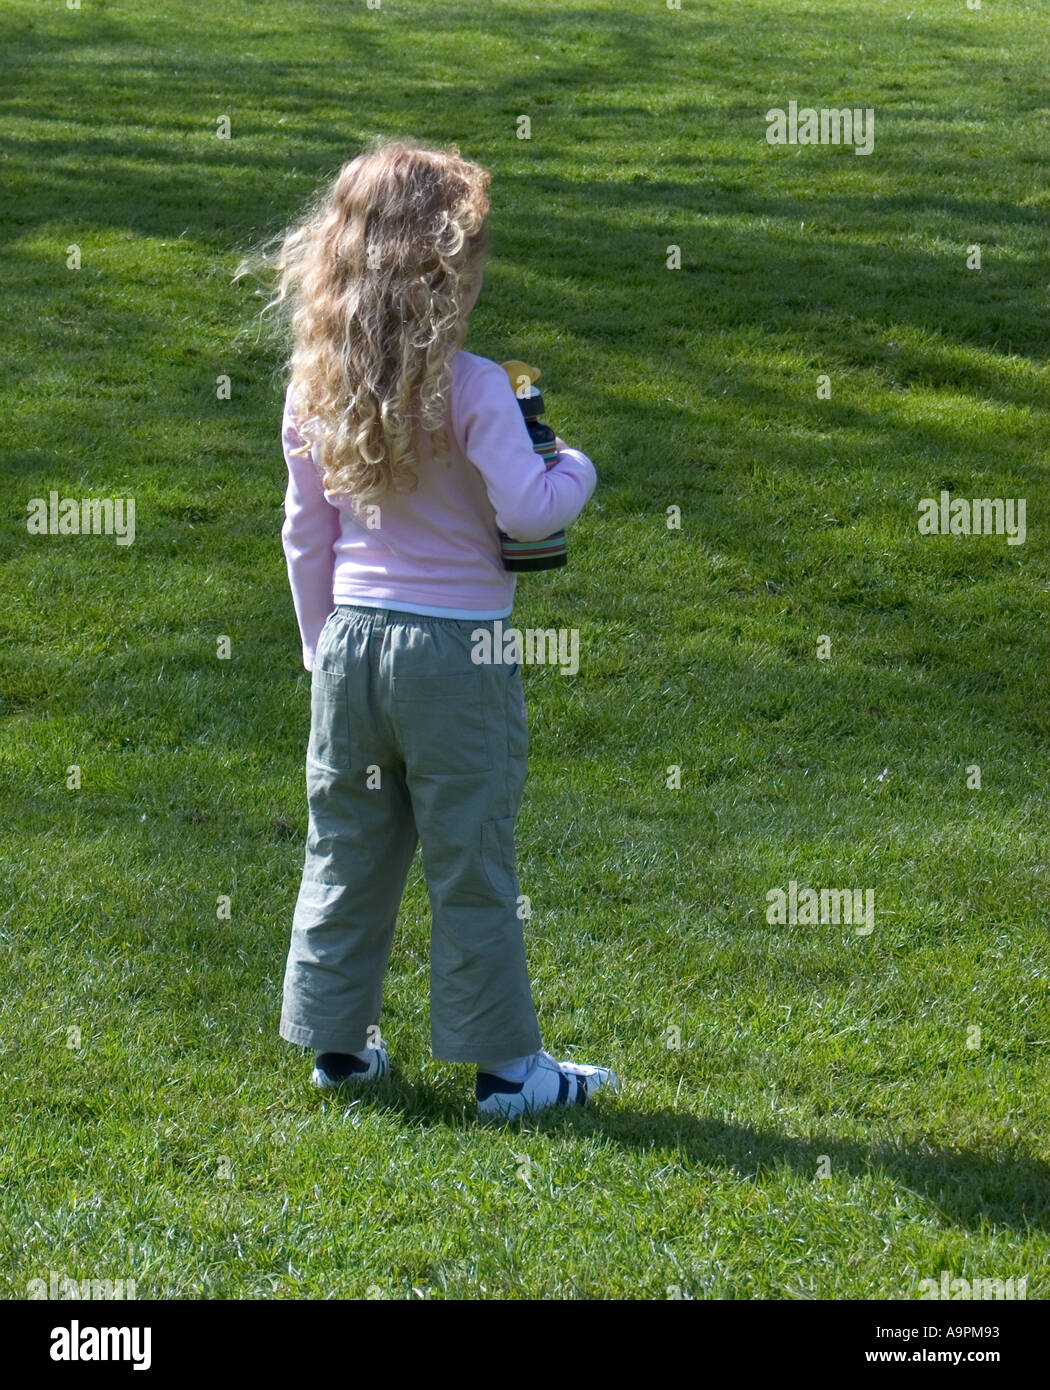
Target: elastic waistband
column 366, row 614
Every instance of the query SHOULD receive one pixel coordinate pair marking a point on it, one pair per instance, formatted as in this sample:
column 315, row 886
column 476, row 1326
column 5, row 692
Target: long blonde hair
column 371, row 284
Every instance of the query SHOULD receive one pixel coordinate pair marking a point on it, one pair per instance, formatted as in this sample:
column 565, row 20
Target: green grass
column 801, row 1049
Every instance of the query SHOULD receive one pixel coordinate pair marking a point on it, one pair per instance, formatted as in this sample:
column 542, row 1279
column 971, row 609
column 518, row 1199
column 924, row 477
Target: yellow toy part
column 518, row 373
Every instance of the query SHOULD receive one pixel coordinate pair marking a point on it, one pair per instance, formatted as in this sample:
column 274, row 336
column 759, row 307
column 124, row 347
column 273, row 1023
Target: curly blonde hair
column 371, row 287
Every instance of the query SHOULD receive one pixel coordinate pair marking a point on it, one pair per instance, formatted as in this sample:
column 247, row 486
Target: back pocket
column 442, row 724
column 329, row 720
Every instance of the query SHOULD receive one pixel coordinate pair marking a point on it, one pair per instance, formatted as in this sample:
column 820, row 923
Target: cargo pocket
column 329, row 744
column 442, row 724
column 497, row 856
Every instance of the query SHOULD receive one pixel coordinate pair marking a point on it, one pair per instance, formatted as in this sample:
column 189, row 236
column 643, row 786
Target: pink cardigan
column 435, row 549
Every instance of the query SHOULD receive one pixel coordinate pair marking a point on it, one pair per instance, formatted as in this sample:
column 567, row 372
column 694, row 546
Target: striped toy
column 552, row 551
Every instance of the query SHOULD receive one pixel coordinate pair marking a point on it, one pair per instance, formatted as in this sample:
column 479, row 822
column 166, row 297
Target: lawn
column 808, row 1110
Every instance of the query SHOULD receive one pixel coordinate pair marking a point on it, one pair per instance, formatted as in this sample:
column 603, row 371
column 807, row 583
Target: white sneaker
column 330, row 1074
column 547, row 1083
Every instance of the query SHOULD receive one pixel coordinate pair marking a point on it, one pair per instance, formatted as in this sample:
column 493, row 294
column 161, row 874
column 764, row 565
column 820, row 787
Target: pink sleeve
column 530, row 500
column 311, row 528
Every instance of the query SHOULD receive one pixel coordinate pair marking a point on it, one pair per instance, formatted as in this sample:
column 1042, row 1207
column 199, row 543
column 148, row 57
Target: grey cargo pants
column 411, row 740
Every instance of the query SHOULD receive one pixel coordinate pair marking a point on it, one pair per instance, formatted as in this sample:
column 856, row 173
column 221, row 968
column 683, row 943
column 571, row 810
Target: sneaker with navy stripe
column 547, row 1084
column 335, row 1069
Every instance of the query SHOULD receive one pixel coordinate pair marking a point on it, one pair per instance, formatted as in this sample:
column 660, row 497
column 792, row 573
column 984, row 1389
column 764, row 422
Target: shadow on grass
column 1008, row 1189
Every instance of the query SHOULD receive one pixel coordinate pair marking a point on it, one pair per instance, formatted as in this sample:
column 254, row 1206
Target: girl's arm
column 530, row 500
column 311, row 528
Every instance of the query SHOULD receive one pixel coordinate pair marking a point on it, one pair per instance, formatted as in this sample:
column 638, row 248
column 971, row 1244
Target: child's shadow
column 1007, row 1189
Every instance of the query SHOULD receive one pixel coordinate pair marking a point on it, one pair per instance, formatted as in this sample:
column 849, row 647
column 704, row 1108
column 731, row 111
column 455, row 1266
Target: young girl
column 406, row 456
